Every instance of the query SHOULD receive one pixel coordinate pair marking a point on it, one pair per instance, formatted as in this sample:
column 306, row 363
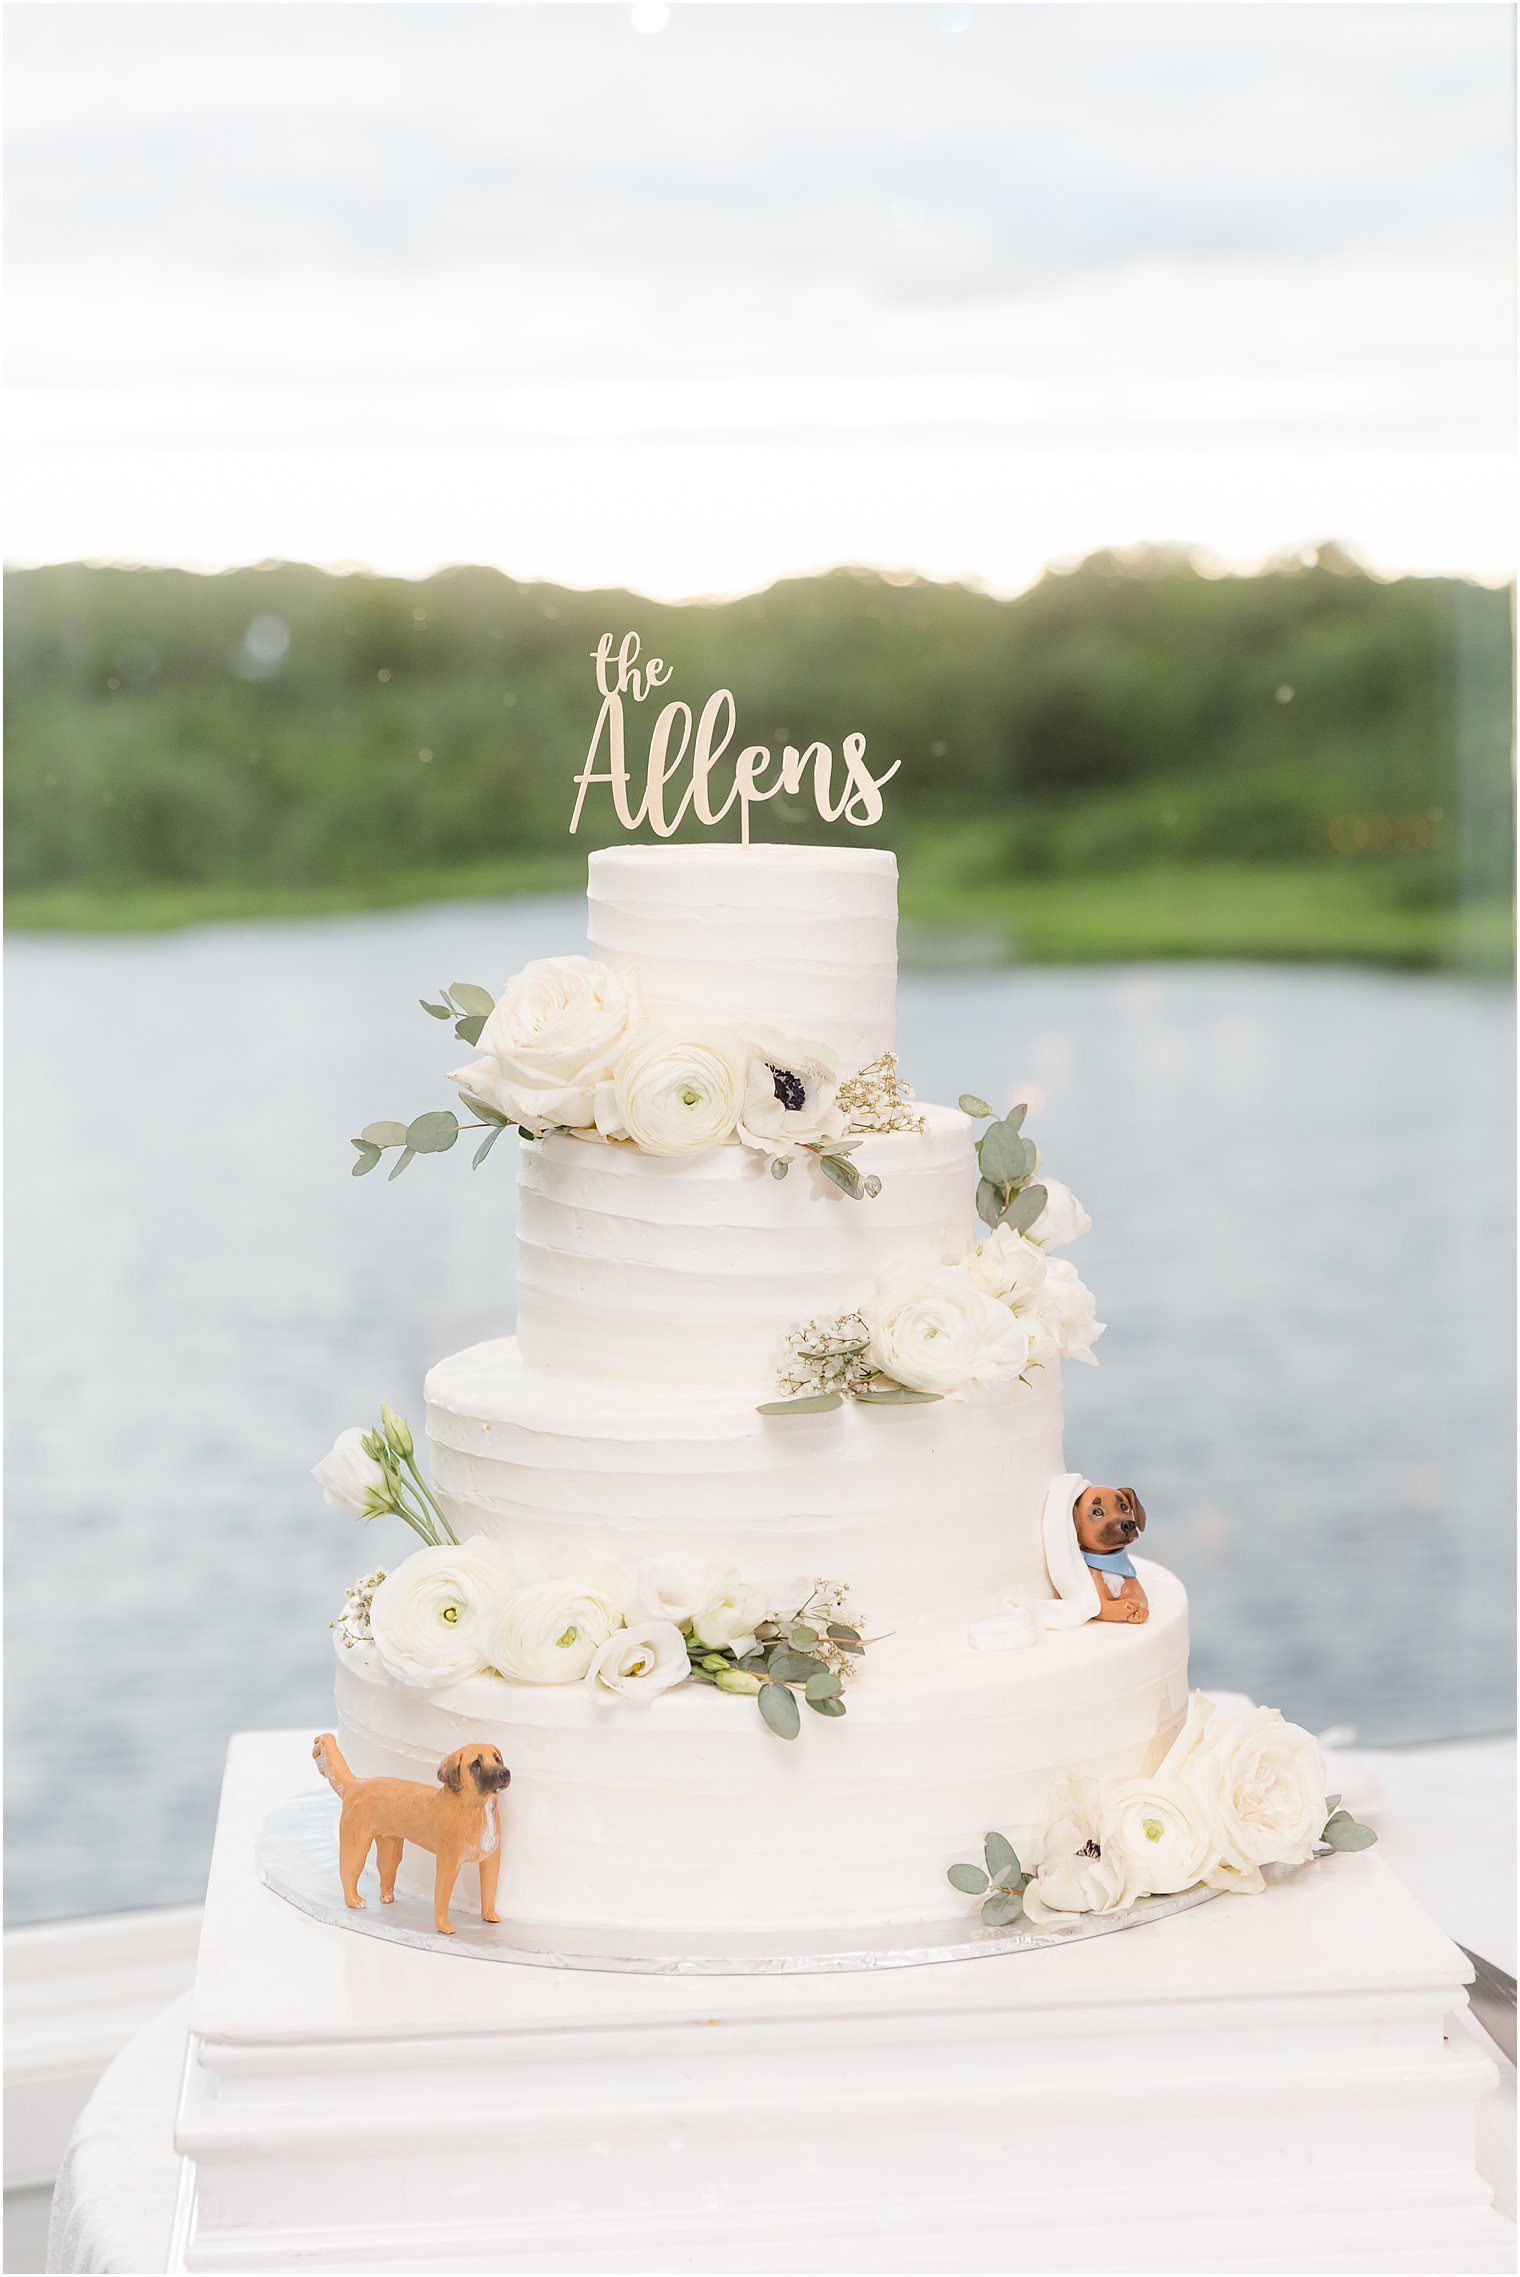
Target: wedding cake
column 780, row 1428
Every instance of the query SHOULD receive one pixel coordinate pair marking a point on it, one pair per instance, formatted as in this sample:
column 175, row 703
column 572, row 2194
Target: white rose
column 674, row 1091
column 1162, row 1835
column 1068, row 1311
column 665, row 1593
column 730, row 1616
column 640, row 1661
column 1063, row 1218
column 933, row 1330
column 1072, row 1874
column 1008, row 1267
column 347, row 1475
column 790, row 1092
column 429, row 1615
column 556, row 1031
column 1264, row 1777
column 550, row 1631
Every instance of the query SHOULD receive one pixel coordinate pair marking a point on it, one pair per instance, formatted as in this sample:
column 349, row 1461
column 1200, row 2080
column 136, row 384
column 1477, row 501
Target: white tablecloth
column 113, row 2207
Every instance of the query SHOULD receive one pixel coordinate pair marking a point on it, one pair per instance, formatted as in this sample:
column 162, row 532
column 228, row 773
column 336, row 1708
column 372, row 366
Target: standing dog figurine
column 458, row 1823
column 1107, row 1519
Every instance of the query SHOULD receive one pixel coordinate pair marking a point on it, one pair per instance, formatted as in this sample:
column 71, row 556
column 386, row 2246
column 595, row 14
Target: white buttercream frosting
column 686, row 1274
column 800, row 938
column 685, row 1812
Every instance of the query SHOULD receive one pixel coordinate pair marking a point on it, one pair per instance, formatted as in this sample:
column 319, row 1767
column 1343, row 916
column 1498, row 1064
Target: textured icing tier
column 686, row 1813
column 646, row 1269
column 930, row 1514
column 801, row 938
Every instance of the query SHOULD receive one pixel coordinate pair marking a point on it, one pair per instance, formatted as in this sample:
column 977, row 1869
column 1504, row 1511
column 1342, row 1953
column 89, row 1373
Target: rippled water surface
column 1302, row 1192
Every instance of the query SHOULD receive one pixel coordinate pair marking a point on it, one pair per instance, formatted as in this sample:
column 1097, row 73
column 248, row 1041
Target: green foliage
column 1125, row 733
column 1000, row 1886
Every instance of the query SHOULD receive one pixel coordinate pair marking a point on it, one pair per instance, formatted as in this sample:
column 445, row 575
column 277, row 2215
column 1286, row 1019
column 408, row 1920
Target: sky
column 687, row 298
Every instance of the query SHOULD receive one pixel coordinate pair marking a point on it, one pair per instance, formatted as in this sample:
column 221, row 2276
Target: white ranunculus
column 790, row 1094
column 346, row 1474
column 1008, row 1267
column 666, row 1593
column 639, row 1661
column 933, row 1330
column 431, row 1613
column 1162, row 1834
column 1063, row 1218
column 1264, row 1777
column 556, row 1032
column 1068, row 1311
column 549, row 1632
column 674, row 1090
column 730, row 1615
column 1072, row 1874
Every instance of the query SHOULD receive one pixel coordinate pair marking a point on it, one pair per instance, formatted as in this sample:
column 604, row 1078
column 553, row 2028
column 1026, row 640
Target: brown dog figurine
column 458, row 1822
column 1108, row 1519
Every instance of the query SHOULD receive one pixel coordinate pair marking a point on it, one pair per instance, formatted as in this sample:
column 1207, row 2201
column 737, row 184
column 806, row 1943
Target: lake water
column 1301, row 1187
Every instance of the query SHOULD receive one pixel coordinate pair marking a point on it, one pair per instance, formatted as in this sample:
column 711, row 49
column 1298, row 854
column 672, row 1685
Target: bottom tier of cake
column 686, row 1812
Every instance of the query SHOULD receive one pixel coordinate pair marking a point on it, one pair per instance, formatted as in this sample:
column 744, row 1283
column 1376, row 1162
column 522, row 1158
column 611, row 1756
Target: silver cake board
column 297, row 1857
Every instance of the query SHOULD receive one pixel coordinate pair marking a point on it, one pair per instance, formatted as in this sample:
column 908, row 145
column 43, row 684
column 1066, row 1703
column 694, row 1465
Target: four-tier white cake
column 621, row 1425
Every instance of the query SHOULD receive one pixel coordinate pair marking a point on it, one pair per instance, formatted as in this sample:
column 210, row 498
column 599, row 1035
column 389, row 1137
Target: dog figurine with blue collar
column 1108, row 1519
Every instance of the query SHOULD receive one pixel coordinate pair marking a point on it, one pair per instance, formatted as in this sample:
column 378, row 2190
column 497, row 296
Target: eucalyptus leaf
column 780, row 1166
column 896, row 1395
column 989, row 1201
column 845, row 1646
column 406, row 1155
column 433, row 1133
column 1002, row 1862
column 752, row 1663
column 384, row 1134
column 468, row 1029
column 1001, row 1154
column 793, row 1667
column 800, row 1637
column 968, row 1879
column 1001, row 1908
column 485, row 1146
column 824, row 1686
column 834, row 1352
column 811, row 1403
column 368, row 1156
column 1348, row 1834
column 523, row 1132
column 1332, row 1805
column 1025, row 1208
column 780, row 1710
column 438, row 1011
column 470, row 998
column 842, row 1633
column 971, row 1105
column 484, row 1109
column 826, row 1707
column 844, row 1174
column 870, row 1187
column 1015, row 1115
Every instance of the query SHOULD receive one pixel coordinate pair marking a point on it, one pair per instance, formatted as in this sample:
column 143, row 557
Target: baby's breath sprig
column 352, row 1625
column 877, row 1099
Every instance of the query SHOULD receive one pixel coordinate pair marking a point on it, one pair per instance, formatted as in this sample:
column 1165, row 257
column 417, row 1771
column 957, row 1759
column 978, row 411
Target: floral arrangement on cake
column 991, row 1315
column 459, row 1609
column 567, row 1048
column 1236, row 1792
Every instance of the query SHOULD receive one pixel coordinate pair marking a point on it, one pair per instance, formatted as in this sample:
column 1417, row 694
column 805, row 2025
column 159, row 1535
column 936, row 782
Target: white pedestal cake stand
column 1263, row 2084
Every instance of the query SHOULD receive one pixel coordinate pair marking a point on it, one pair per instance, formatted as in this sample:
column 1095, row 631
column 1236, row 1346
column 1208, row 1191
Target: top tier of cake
column 800, row 938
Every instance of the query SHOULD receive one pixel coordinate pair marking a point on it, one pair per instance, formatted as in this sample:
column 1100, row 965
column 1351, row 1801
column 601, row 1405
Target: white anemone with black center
column 619, row 1429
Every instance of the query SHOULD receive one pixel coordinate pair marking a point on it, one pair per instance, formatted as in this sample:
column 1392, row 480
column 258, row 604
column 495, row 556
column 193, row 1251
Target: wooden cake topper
column 1108, row 1519
column 754, row 774
column 458, row 1821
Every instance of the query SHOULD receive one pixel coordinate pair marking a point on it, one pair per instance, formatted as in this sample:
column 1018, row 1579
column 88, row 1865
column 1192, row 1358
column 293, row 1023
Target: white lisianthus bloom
column 639, row 1661
column 674, row 1090
column 1162, row 1834
column 933, row 1330
column 1063, row 1218
column 1069, row 1311
column 1008, row 1267
column 1072, row 1874
column 551, row 1631
column 730, row 1615
column 429, row 1615
column 1264, row 1777
column 556, row 1032
column 347, row 1475
column 790, row 1094
column 665, row 1593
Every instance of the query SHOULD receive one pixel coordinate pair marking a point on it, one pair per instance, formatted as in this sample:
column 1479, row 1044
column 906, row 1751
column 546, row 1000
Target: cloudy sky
column 690, row 298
